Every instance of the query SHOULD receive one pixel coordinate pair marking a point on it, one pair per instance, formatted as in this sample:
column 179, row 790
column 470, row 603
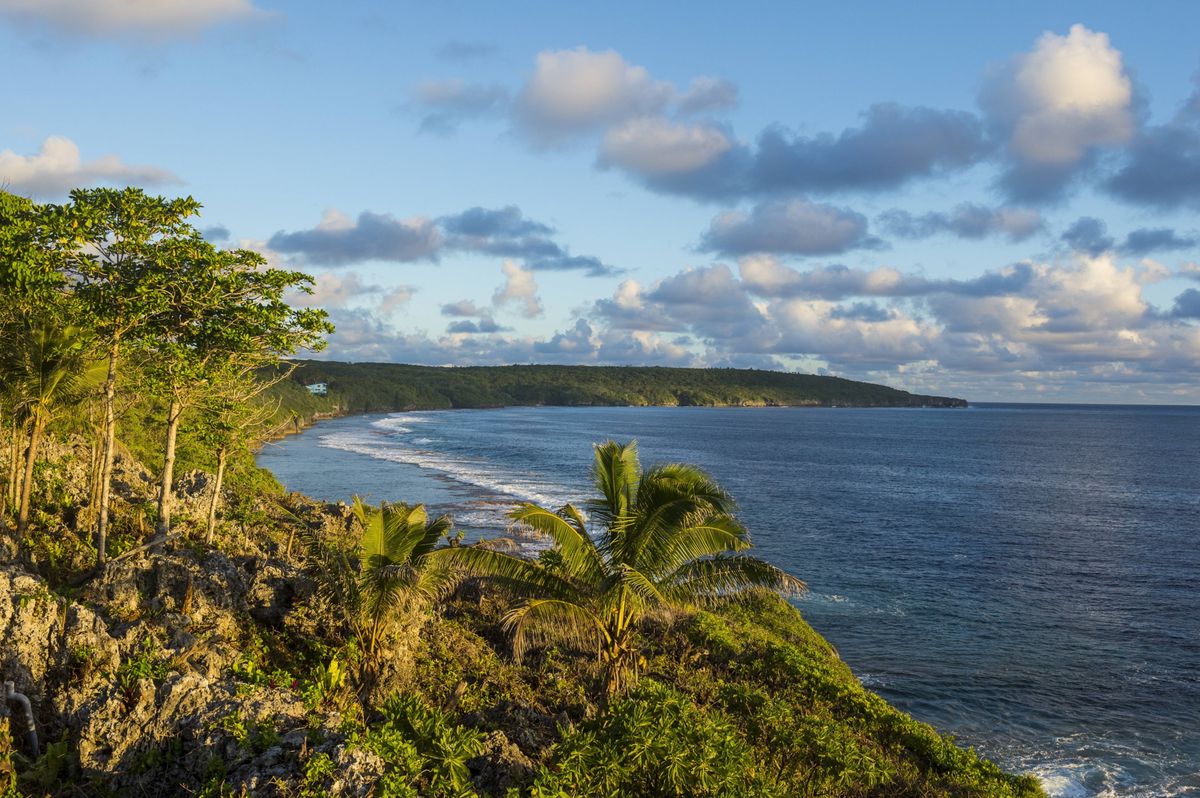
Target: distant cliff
column 373, row 387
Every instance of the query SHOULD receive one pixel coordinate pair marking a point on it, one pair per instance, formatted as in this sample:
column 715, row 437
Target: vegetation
column 378, row 387
column 667, row 540
column 123, row 278
column 388, row 575
column 642, row 652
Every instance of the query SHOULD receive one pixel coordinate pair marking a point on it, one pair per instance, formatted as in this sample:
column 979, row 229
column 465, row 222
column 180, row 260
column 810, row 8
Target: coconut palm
column 664, row 539
column 389, row 573
column 42, row 361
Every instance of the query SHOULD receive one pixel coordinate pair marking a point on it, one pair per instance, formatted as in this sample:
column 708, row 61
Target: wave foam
column 468, row 471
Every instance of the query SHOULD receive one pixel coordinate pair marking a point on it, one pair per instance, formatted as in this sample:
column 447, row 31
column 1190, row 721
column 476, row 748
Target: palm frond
column 507, row 570
column 708, row 580
column 616, row 474
column 538, row 621
column 566, row 529
column 693, row 540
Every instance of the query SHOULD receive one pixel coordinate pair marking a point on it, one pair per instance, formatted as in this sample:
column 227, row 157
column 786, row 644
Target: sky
column 998, row 202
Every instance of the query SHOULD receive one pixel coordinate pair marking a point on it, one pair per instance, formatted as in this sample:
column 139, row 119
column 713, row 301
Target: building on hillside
column 318, row 388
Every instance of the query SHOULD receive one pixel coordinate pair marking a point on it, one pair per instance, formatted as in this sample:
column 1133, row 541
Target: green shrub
column 653, row 742
column 426, row 754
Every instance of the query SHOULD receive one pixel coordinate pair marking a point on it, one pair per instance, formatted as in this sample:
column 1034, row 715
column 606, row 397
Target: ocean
column 1024, row 577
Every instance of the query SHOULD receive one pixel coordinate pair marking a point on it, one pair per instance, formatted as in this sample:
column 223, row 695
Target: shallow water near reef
column 1025, row 577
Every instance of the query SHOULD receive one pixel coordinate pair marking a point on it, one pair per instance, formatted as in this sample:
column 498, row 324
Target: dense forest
column 173, row 623
column 367, row 387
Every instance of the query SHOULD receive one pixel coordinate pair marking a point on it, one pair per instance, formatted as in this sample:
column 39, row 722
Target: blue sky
column 999, row 203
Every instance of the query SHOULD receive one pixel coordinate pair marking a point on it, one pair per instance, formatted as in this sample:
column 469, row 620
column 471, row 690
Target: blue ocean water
column 1024, row 577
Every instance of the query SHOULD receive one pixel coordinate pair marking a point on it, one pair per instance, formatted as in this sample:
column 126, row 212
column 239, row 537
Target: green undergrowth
column 745, row 700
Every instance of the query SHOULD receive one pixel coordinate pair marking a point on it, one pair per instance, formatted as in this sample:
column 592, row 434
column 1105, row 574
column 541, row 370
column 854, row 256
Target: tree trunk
column 10, row 494
column 35, row 437
column 106, row 464
column 174, row 411
column 216, row 497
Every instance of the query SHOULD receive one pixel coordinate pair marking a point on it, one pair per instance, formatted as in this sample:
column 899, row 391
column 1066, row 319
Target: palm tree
column 389, row 573
column 42, row 360
column 666, row 539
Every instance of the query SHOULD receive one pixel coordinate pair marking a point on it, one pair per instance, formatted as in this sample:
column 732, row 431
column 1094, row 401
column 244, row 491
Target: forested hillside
column 367, row 387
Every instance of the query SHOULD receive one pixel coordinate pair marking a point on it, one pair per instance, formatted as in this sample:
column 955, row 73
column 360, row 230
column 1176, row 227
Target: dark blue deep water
column 1024, row 577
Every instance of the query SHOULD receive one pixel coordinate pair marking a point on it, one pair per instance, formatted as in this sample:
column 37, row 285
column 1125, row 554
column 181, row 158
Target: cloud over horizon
column 146, row 17
column 58, row 167
column 504, row 232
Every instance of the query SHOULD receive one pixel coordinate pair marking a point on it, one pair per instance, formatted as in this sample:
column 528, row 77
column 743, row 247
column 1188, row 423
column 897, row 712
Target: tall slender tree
column 115, row 235
column 43, row 360
column 224, row 314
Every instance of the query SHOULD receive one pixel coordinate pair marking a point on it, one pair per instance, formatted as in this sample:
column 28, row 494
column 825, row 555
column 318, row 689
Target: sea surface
column 1025, row 577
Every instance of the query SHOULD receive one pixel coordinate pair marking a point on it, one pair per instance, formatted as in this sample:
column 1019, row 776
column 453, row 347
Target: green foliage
column 148, row 661
column 319, row 770
column 391, row 572
column 374, row 387
column 326, row 688
column 425, row 752
column 812, row 726
column 654, row 742
column 668, row 540
column 254, row 736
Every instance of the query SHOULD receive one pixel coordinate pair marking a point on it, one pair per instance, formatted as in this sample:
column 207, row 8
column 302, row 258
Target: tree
column 30, row 250
column 391, row 572
column 230, row 414
column 666, row 539
column 42, row 360
column 223, row 315
column 113, row 235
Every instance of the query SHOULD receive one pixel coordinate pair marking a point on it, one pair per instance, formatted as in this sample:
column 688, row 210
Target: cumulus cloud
column 519, row 289
column 507, row 233
column 447, row 103
column 653, row 147
column 894, row 145
column 485, row 324
column 487, row 222
column 795, row 227
column 152, row 17
column 1157, row 239
column 463, row 308
column 1088, row 235
column 966, row 220
column 338, row 240
column 1055, row 107
column 765, row 276
column 503, row 232
column 216, row 233
column 1162, row 168
column 57, row 168
column 708, row 94
column 1187, row 305
column 332, row 290
column 575, row 91
column 1055, row 323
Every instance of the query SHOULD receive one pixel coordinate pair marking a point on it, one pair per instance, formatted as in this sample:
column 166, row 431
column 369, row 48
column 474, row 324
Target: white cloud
column 796, row 227
column 708, row 94
column 331, row 290
column 57, row 168
column 154, row 17
column 519, row 289
column 1057, row 103
column 656, row 146
column 573, row 91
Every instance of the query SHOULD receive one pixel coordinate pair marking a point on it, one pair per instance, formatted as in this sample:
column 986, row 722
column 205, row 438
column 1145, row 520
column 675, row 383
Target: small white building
column 318, row 388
